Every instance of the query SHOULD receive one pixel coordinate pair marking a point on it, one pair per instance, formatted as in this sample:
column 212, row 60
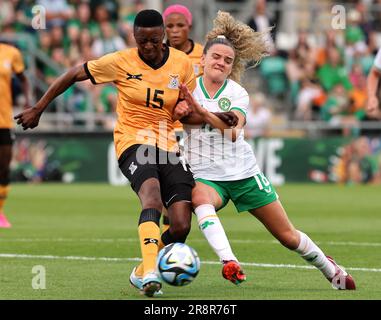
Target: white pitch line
column 51, row 257
column 351, row 243
column 112, row 240
column 110, row 259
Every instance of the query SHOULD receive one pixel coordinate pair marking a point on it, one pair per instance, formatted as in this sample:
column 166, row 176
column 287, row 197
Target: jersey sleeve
column 17, row 62
column 103, row 69
column 377, row 60
column 190, row 79
column 240, row 101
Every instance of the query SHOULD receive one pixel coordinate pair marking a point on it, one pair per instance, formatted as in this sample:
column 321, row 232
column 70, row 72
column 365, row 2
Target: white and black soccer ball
column 178, row 264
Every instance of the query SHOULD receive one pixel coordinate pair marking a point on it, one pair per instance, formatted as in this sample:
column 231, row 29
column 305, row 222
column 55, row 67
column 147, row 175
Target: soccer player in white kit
column 223, row 163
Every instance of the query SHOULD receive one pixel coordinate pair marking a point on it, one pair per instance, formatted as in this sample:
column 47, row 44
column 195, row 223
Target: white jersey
column 210, row 155
column 377, row 60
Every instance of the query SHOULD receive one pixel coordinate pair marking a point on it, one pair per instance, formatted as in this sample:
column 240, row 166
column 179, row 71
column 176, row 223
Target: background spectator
column 107, row 42
column 333, row 72
column 58, row 12
column 258, row 117
column 260, row 21
column 364, row 165
column 297, row 80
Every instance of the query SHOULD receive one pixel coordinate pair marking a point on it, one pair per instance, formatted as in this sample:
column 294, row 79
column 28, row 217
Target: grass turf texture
column 99, row 220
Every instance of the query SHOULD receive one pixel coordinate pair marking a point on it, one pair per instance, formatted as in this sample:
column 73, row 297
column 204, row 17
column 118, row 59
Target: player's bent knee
column 150, row 197
column 199, row 198
column 196, row 202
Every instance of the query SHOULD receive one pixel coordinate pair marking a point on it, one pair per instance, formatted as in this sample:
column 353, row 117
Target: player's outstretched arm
column 212, row 119
column 183, row 112
column 30, row 117
column 228, row 117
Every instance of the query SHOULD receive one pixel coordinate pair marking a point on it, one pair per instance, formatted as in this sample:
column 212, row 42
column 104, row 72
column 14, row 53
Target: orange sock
column 149, row 235
column 4, row 189
column 139, row 271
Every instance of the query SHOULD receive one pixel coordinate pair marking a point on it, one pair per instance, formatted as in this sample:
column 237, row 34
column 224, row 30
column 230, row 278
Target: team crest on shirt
column 224, row 103
column 134, row 76
column 174, row 81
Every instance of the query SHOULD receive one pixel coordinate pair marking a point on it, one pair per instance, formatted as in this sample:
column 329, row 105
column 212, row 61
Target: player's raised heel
column 342, row 280
column 135, row 281
column 232, row 271
column 151, row 284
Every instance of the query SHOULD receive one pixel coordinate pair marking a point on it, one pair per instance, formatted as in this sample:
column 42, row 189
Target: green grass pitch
column 85, row 236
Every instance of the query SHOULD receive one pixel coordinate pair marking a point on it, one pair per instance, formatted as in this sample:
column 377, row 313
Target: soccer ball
column 178, row 264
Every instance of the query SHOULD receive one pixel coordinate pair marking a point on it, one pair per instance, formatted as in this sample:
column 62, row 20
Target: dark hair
column 218, row 40
column 148, row 19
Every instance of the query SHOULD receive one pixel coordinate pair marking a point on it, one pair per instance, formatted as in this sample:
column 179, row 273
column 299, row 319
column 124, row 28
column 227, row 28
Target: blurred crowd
column 76, row 31
column 322, row 77
column 359, row 162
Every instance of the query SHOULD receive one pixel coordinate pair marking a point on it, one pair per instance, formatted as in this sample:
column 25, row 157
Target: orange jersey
column 146, row 95
column 195, row 55
column 10, row 62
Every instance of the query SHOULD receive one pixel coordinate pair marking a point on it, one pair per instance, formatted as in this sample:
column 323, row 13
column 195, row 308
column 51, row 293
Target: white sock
column 210, row 225
column 310, row 252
